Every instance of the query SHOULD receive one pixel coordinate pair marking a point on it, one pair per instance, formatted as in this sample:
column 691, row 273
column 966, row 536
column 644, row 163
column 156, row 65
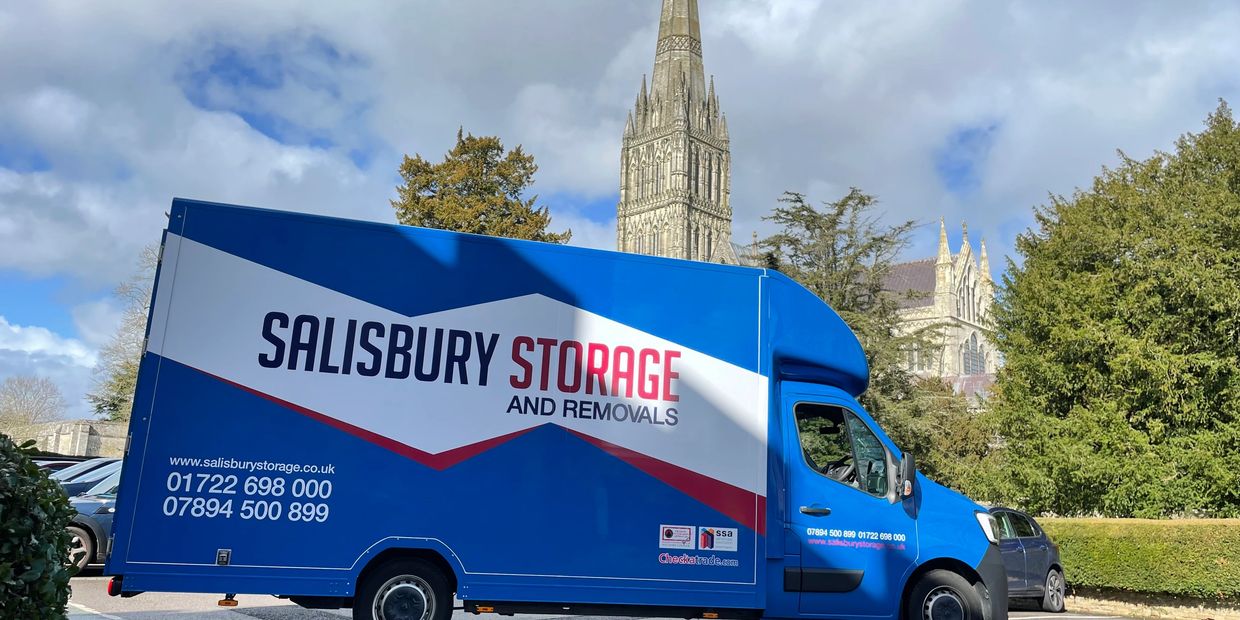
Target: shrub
column 1192, row 557
column 34, row 547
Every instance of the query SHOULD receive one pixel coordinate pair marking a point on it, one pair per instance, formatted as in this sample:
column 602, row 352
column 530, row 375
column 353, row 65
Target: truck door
column 857, row 540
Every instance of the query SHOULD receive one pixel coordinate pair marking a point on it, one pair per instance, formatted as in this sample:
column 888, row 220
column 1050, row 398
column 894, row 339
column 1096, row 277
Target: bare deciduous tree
column 116, row 373
column 29, row 400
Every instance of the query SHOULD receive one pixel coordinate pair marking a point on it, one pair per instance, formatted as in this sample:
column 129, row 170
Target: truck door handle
column 815, row 511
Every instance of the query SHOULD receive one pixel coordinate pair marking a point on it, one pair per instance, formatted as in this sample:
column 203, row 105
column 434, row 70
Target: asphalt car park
column 91, row 602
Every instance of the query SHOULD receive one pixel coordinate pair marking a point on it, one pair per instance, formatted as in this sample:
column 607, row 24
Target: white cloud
column 97, row 321
column 820, row 96
column 33, row 340
column 32, row 350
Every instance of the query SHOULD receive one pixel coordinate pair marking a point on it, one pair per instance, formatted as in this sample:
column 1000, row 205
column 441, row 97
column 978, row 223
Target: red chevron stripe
column 745, row 507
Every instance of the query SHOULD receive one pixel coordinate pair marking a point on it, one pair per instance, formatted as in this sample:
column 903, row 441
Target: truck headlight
column 988, row 525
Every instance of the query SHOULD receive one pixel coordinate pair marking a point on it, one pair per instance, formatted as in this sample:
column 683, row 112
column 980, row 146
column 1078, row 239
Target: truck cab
column 852, row 528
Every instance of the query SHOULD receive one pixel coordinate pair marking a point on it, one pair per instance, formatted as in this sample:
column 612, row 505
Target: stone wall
column 75, row 437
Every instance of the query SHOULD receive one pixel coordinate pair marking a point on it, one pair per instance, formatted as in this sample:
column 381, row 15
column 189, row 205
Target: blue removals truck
column 352, row 414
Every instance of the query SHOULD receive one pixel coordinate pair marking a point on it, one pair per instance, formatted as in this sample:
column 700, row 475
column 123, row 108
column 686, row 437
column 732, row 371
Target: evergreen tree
column 841, row 254
column 478, row 188
column 1121, row 335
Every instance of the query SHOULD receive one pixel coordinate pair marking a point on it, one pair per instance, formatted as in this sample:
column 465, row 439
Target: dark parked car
column 78, row 469
column 1031, row 559
column 52, row 465
column 91, row 526
column 80, row 483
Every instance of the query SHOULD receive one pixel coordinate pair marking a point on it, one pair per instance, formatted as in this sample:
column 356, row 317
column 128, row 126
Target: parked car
column 83, row 482
column 1032, row 561
column 89, row 529
column 74, row 471
column 54, row 464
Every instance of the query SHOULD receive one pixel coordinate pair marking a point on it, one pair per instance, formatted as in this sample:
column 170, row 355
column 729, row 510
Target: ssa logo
column 717, row 538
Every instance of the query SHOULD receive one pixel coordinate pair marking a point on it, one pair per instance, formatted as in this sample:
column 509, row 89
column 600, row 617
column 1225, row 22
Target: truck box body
column 559, row 425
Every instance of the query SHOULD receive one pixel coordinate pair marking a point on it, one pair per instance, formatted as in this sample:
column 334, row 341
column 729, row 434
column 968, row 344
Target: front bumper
column 993, row 588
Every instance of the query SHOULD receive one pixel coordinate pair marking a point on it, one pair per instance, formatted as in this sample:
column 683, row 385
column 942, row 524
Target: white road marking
column 1064, row 617
column 88, row 610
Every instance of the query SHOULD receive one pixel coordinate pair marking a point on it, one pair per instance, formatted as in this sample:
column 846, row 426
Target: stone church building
column 955, row 293
column 675, row 182
column 675, row 162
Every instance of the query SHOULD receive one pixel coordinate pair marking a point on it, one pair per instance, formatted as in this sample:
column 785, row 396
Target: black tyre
column 943, row 595
column 81, row 547
column 1053, row 596
column 405, row 589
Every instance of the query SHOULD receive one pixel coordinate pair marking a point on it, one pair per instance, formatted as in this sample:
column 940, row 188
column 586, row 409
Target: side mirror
column 908, row 474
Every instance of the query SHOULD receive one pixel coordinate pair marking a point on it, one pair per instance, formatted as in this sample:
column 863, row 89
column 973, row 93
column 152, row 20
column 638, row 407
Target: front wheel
column 406, row 589
column 81, row 548
column 1053, row 596
column 944, row 595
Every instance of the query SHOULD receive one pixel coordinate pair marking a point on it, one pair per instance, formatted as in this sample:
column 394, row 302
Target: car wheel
column 406, row 589
column 81, row 549
column 1053, row 596
column 944, row 595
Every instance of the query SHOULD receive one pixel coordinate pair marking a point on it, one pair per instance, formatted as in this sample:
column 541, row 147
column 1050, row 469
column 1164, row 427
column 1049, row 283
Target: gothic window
column 697, row 247
column 709, row 243
column 718, row 181
column 693, row 171
column 656, row 242
column 710, row 165
column 972, row 357
column 981, row 359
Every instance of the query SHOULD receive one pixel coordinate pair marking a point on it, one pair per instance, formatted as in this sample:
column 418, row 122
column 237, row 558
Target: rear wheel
column 1053, row 596
column 943, row 595
column 406, row 589
column 81, row 547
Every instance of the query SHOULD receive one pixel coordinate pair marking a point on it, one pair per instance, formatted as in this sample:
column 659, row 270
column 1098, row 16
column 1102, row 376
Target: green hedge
column 1192, row 557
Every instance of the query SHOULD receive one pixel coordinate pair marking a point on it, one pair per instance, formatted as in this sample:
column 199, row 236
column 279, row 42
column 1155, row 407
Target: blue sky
column 967, row 110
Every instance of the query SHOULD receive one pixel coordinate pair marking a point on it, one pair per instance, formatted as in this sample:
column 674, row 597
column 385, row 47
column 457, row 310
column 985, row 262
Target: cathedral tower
column 675, row 163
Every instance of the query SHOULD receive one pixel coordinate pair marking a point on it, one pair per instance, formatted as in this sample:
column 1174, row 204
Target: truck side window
column 871, row 457
column 841, row 447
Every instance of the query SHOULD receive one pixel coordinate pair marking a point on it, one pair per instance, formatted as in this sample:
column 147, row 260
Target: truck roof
column 757, row 319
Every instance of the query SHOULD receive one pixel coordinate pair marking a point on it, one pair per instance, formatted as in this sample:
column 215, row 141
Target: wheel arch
column 942, row 563
column 436, row 554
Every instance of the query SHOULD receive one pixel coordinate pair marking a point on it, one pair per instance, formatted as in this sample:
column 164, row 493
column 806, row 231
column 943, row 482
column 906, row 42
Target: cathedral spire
column 675, row 160
column 679, row 50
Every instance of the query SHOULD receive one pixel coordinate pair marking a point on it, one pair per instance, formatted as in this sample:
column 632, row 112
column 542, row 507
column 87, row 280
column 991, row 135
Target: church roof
column 916, row 276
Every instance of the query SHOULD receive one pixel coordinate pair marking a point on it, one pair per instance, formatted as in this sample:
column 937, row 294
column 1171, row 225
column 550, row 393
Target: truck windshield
column 838, row 445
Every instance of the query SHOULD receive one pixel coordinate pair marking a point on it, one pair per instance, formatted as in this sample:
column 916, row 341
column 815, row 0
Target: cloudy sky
column 966, row 110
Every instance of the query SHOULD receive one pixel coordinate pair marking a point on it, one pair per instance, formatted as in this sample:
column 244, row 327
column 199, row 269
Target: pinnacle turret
column 945, row 251
column 985, row 262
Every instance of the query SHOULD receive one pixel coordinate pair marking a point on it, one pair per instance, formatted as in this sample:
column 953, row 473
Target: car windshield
column 73, row 470
column 98, row 474
column 107, row 486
